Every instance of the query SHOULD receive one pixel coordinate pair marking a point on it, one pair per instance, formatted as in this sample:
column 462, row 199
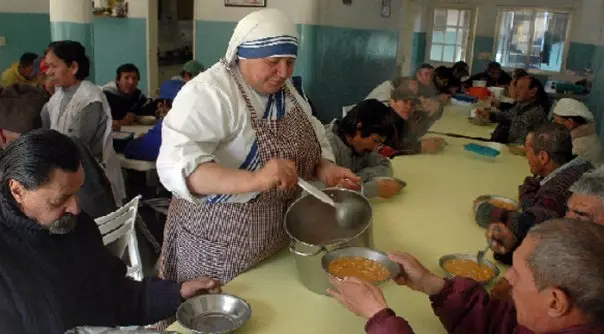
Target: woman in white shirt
column 236, row 140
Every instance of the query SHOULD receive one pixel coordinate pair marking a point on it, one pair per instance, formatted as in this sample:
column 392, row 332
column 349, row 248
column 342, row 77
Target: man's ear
column 17, row 190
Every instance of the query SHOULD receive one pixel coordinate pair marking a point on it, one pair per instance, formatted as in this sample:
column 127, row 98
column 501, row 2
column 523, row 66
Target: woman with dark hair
column 80, row 110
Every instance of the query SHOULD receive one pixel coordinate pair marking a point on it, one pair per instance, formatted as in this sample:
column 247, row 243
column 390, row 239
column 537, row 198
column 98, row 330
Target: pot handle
column 292, row 248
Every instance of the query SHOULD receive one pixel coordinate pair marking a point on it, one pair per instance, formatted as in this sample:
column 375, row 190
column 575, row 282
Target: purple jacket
column 463, row 307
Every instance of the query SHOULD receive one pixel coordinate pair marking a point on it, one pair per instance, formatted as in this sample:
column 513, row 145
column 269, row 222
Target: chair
column 119, row 234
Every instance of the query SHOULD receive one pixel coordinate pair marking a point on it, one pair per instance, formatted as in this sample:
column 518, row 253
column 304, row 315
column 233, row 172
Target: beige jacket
column 587, row 144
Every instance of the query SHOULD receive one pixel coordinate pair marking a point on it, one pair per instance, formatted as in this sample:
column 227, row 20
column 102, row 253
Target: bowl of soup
column 367, row 264
column 465, row 265
column 498, row 201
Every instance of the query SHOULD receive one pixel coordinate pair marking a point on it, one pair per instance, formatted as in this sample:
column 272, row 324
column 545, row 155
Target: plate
column 367, row 253
column 485, row 262
column 146, row 120
column 401, row 182
column 213, row 313
column 485, row 198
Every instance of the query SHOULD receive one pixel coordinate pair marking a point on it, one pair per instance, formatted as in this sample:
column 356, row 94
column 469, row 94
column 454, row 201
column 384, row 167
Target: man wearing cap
column 21, row 72
column 413, row 122
column 580, row 121
column 125, row 99
column 147, row 146
column 189, row 71
column 233, row 146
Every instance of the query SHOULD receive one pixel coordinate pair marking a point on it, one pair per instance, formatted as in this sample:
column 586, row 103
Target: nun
column 233, row 146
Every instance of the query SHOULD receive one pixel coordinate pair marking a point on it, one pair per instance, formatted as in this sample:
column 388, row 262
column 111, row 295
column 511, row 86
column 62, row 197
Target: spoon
column 482, row 253
column 345, row 210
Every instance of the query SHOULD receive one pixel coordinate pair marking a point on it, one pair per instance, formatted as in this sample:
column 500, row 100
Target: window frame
column 469, row 38
column 564, row 10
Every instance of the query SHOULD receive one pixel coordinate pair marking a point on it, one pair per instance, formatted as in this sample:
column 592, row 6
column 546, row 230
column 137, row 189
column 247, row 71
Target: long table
column 432, row 217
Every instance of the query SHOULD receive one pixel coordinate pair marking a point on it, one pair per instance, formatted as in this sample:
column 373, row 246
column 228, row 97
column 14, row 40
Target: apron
column 223, row 240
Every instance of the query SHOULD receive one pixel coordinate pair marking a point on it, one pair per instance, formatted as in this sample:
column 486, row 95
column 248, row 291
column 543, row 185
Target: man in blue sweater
column 55, row 273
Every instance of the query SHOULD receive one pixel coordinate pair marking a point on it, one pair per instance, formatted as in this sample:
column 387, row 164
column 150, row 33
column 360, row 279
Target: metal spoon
column 345, row 211
column 482, row 253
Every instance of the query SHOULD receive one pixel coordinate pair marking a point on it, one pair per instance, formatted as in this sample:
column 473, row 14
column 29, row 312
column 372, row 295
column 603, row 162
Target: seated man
column 147, row 146
column 415, row 117
column 542, row 196
column 494, row 76
column 124, row 97
column 354, row 141
column 55, row 273
column 511, row 91
column 580, row 121
column 20, row 73
column 587, row 200
column 20, row 107
column 527, row 115
column 557, row 287
column 189, row 71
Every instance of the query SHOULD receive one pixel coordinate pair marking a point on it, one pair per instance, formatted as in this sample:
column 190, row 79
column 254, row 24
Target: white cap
column 570, row 107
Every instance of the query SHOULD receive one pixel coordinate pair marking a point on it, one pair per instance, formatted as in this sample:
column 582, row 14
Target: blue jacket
column 145, row 147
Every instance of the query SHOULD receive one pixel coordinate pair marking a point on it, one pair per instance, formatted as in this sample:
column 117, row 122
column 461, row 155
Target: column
column 72, row 20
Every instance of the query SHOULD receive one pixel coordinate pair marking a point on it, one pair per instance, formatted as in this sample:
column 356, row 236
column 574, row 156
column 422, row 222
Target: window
column 450, row 29
column 532, row 38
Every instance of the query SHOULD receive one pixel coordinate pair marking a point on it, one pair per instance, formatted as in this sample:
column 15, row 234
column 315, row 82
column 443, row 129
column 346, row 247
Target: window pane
column 450, row 36
column 463, row 15
column 438, row 37
column 458, row 54
column 460, row 36
column 452, row 16
column 440, row 17
column 448, row 53
column 549, row 41
column 436, row 52
column 514, row 38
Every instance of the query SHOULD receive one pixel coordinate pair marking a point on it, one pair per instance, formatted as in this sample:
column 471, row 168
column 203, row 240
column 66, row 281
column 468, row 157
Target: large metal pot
column 314, row 231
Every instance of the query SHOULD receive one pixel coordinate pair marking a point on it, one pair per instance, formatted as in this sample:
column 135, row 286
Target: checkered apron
column 225, row 239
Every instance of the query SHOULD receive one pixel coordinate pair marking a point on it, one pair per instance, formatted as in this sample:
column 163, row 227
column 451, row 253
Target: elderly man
column 124, row 97
column 55, row 273
column 494, row 76
column 416, row 116
column 557, row 287
column 354, row 141
column 580, row 121
column 542, row 196
column 587, row 199
column 526, row 115
column 21, row 72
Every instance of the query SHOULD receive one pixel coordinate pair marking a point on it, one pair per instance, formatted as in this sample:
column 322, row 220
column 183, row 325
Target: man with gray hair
column 587, row 200
column 557, row 286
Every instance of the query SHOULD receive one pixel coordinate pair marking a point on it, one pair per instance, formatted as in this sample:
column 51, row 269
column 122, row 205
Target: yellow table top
column 432, row 217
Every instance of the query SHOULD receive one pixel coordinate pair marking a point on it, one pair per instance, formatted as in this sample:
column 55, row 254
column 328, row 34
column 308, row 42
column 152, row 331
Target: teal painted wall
column 481, row 44
column 80, row 32
column 418, row 50
column 339, row 66
column 579, row 56
column 24, row 32
column 116, row 42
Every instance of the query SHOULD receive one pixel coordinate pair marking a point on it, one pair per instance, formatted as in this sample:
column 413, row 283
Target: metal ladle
column 345, row 211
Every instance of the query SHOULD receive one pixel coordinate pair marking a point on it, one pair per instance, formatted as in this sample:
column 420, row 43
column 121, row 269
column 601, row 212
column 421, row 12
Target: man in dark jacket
column 542, row 196
column 556, row 282
column 494, row 76
column 20, row 107
column 55, row 273
column 124, row 97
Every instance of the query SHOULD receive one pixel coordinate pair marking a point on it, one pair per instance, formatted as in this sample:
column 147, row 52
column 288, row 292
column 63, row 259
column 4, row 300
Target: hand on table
column 201, row 285
column 501, row 238
column 415, row 275
column 388, row 188
column 332, row 175
column 483, row 114
column 278, row 173
column 115, row 125
column 361, row 298
column 432, row 145
column 129, row 119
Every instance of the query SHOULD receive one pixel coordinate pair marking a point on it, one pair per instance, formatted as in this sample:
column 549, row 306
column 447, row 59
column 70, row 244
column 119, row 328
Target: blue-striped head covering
column 263, row 33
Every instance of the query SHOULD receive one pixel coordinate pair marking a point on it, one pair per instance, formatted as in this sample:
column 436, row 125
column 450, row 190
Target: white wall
column 300, row 11
column 24, row 6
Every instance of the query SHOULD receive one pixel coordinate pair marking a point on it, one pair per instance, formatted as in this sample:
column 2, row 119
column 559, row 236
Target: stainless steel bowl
column 213, row 313
column 401, row 182
column 367, row 253
column 485, row 198
column 485, row 262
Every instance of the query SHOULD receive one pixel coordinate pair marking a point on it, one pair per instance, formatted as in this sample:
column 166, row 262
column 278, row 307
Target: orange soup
column 365, row 269
column 503, row 204
column 470, row 269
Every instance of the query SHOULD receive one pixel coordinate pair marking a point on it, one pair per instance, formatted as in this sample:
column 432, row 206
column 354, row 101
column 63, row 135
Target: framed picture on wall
column 245, row 3
column 386, row 8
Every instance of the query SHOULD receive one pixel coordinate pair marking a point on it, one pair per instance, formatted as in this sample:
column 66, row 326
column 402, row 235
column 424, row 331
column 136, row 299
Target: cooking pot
column 314, row 231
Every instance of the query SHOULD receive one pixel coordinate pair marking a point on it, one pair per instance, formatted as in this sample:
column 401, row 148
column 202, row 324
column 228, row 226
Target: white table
column 432, row 217
column 137, row 129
